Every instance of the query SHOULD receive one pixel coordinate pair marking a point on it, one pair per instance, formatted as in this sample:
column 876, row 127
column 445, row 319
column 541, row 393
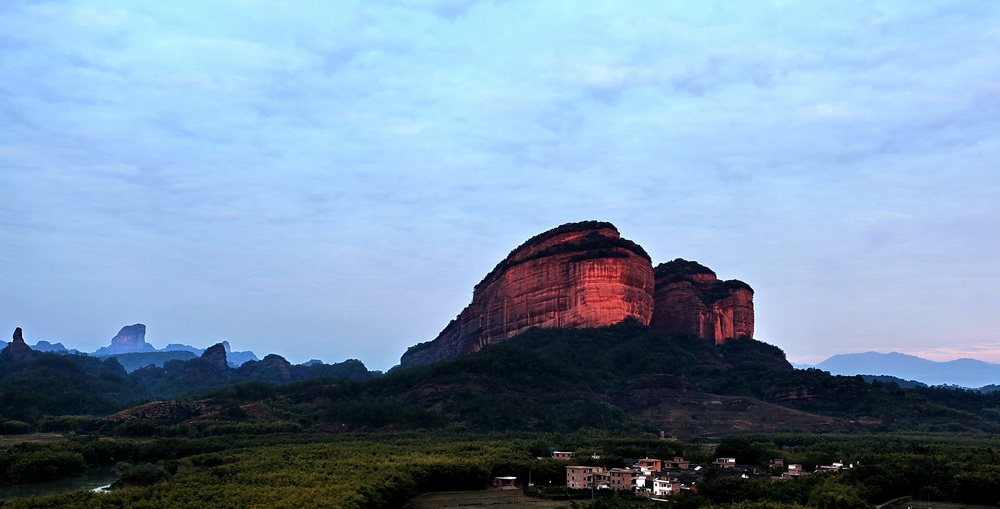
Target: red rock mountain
column 690, row 300
column 576, row 275
column 582, row 275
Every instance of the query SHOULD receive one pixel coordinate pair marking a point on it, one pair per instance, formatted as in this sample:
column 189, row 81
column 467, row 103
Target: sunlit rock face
column 586, row 275
column 690, row 300
column 577, row 275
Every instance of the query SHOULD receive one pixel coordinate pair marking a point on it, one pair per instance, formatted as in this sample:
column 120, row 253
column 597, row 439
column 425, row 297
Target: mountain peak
column 584, row 274
column 17, row 350
column 131, row 338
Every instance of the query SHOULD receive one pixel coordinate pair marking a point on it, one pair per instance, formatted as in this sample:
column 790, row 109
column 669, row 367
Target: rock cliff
column 273, row 368
column 131, row 338
column 577, row 275
column 216, row 357
column 586, row 275
column 17, row 350
column 690, row 300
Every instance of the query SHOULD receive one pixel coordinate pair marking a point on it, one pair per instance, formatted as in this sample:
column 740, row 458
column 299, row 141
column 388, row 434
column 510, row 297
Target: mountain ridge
column 129, row 346
column 964, row 372
column 623, row 377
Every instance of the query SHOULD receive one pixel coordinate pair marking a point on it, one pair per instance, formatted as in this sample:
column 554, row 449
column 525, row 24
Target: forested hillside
column 621, row 377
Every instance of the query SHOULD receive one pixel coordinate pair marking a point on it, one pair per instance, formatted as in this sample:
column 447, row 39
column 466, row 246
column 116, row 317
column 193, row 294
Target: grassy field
column 489, row 499
column 7, row 441
column 11, row 440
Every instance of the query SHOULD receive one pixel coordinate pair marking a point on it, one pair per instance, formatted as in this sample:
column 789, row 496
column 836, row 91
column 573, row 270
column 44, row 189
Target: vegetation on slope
column 559, row 380
column 49, row 384
column 385, row 470
column 490, row 413
column 52, row 384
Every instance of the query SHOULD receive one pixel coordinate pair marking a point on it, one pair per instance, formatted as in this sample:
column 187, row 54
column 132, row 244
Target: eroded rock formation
column 576, row 275
column 216, row 357
column 131, row 338
column 585, row 275
column 17, row 350
column 690, row 300
column 273, row 368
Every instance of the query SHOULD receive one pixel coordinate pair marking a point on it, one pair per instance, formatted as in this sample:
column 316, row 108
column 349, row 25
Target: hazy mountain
column 136, row 360
column 177, row 347
column 970, row 373
column 885, row 379
column 236, row 359
column 45, row 346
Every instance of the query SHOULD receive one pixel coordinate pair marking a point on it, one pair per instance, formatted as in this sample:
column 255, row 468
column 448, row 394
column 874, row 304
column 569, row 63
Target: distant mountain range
column 129, row 346
column 969, row 373
column 132, row 361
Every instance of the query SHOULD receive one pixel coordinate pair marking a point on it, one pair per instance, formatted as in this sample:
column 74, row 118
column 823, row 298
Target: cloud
column 984, row 352
column 829, row 111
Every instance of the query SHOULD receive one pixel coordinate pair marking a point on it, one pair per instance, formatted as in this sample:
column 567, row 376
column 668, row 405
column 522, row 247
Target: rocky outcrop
column 237, row 359
column 690, row 300
column 273, row 368
column 216, row 357
column 585, row 275
column 45, row 346
column 131, row 338
column 17, row 350
column 211, row 369
column 577, row 275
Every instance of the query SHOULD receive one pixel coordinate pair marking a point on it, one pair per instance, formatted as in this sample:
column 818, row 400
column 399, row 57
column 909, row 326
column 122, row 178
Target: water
column 95, row 478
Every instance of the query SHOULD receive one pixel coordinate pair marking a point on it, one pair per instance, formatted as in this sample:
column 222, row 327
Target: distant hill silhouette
column 621, row 378
column 969, row 373
column 137, row 360
column 131, row 342
column 175, row 351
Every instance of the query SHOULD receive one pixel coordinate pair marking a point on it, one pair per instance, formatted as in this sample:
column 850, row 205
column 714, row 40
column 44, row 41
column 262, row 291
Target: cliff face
column 690, row 300
column 131, row 338
column 576, row 275
column 216, row 357
column 586, row 275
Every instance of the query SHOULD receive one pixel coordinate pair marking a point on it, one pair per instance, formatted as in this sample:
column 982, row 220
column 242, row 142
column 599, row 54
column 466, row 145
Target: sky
column 329, row 180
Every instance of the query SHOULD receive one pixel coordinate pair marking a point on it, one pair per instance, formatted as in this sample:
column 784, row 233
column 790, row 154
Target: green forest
column 386, row 469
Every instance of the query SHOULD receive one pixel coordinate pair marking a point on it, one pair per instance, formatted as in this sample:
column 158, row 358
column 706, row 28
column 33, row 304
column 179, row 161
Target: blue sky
column 330, row 179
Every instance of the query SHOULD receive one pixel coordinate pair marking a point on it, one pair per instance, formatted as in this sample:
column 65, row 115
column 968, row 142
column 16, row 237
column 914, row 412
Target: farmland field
column 489, row 499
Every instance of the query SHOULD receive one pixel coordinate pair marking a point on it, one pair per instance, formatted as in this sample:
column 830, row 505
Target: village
column 656, row 478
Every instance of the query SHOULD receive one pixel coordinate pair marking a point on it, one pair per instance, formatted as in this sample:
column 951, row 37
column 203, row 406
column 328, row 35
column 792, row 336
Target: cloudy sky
column 330, row 179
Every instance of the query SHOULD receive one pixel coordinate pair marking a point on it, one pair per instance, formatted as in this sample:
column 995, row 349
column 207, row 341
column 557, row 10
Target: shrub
column 12, row 427
column 140, row 475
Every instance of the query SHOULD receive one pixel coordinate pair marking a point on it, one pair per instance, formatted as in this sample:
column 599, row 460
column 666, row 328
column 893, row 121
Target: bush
column 67, row 423
column 14, row 427
column 42, row 465
column 251, row 428
column 140, row 475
